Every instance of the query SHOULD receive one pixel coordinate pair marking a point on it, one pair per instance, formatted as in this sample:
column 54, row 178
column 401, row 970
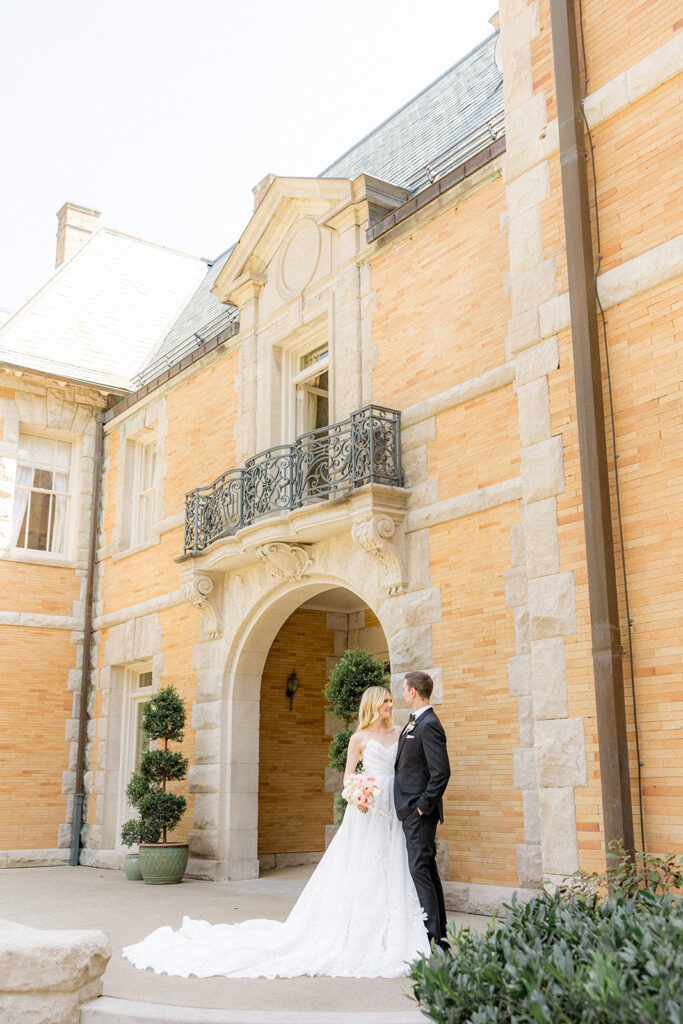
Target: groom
column 422, row 772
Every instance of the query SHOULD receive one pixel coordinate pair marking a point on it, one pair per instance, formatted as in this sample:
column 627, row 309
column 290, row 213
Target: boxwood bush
column 563, row 959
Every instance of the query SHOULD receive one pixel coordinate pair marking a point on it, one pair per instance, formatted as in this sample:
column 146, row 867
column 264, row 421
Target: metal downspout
column 79, row 794
column 602, row 585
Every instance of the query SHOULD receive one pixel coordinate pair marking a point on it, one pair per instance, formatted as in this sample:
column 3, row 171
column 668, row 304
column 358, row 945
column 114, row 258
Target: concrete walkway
column 64, row 897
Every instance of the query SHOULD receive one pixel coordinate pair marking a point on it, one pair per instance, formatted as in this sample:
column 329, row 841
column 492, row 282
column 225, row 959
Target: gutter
column 437, row 188
column 207, row 346
column 79, row 788
column 602, row 583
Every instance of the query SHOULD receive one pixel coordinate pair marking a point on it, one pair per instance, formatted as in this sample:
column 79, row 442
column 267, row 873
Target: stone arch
column 240, row 708
column 252, row 599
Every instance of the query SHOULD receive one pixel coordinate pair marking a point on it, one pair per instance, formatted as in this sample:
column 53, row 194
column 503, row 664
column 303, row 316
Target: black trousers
column 420, row 833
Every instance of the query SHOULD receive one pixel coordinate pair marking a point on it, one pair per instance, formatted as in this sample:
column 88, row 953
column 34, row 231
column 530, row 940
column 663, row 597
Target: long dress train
column 357, row 917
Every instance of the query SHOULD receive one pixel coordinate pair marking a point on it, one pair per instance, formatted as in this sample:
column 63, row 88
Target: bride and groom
column 375, row 901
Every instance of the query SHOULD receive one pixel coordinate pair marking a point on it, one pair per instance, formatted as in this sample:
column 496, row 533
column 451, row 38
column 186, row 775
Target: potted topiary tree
column 133, row 833
column 354, row 673
column 161, row 862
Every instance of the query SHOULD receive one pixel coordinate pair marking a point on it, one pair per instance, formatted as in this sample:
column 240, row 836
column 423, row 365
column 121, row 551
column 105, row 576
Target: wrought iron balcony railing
column 365, row 448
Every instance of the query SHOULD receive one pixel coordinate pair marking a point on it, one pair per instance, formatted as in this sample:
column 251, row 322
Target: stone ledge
column 270, row 861
column 109, row 1010
column 470, row 898
column 33, row 858
column 464, row 504
column 484, row 384
column 46, row 975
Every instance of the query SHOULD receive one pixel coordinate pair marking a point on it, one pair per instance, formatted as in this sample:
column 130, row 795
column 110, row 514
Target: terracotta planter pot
column 163, row 863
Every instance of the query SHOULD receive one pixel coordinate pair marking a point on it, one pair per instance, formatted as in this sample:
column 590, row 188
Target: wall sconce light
column 291, row 687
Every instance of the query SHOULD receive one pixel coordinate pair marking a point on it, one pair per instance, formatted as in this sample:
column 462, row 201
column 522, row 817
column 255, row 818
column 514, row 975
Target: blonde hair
column 370, row 703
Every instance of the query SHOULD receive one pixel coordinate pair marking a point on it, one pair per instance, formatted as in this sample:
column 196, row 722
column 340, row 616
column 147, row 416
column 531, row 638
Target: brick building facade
column 429, row 272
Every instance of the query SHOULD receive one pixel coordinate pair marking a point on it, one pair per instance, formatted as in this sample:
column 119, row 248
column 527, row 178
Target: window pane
column 58, row 524
column 144, row 679
column 141, row 737
column 62, row 455
column 26, row 447
column 313, row 357
column 42, row 478
column 38, row 521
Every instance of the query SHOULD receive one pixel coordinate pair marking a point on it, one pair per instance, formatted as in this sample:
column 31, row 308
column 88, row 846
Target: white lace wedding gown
column 358, row 916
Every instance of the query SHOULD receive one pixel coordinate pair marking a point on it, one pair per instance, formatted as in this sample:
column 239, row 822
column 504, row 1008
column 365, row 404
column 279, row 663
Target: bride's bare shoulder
column 359, row 739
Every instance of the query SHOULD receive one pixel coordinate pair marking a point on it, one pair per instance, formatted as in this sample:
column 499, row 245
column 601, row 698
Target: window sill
column 40, row 558
column 135, row 549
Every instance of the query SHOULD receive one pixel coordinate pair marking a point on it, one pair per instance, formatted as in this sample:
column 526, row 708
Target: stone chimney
column 74, row 224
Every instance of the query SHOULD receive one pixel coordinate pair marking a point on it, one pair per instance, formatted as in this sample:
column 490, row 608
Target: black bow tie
column 412, row 718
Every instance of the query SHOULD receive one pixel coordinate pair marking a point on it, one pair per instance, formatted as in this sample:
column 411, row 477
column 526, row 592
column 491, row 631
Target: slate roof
column 439, row 128
column 203, row 318
column 99, row 316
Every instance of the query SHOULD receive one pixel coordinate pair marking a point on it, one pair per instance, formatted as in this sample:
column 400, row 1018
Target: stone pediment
column 284, row 242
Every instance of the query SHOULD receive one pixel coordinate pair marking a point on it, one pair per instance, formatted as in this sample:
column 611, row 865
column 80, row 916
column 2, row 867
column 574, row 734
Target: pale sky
column 163, row 114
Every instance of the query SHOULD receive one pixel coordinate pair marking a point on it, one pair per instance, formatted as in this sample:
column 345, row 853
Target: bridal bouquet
column 360, row 790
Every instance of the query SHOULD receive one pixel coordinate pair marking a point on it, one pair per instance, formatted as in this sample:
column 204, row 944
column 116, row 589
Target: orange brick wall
column 472, row 642
column 38, row 589
column 638, row 156
column 293, row 749
column 199, row 447
column 617, row 38
column 35, row 704
column 477, row 444
column 647, row 368
column 440, row 305
column 200, row 444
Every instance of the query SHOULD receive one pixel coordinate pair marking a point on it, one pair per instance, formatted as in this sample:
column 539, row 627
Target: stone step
column 107, row 1010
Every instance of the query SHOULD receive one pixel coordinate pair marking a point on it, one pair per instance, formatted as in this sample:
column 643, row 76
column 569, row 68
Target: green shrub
column 628, row 876
column 562, row 961
column 354, row 673
column 338, row 749
column 163, row 718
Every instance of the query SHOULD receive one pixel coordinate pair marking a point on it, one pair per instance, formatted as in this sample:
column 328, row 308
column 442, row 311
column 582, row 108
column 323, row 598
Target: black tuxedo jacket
column 421, row 770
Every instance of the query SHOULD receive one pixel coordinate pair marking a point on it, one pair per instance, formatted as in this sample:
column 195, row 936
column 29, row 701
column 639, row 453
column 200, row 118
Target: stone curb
column 107, row 1010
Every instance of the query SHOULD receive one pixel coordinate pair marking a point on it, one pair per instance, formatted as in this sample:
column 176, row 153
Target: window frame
column 294, row 350
column 40, row 555
column 132, row 744
column 142, row 535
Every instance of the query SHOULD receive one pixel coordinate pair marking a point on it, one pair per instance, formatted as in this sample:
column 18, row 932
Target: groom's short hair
column 422, row 682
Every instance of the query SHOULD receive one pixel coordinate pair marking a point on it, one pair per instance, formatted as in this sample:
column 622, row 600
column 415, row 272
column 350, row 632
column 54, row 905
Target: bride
column 357, row 917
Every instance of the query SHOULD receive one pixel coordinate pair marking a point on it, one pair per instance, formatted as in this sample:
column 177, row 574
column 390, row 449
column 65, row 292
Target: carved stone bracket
column 196, row 588
column 375, row 536
column 285, row 561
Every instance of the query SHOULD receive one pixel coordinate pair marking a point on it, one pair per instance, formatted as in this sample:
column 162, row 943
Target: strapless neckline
column 380, row 744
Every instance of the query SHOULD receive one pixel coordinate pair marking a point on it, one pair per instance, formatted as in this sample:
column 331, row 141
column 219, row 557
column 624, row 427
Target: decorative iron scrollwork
column 365, row 448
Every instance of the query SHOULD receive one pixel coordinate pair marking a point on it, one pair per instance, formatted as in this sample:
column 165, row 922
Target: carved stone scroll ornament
column 375, row 536
column 285, row 561
column 196, row 590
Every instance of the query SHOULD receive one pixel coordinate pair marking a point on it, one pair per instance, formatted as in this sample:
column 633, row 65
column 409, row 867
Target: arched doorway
column 296, row 786
column 329, row 618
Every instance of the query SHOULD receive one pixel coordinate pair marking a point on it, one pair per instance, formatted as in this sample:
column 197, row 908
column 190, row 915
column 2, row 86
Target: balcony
column 323, row 464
